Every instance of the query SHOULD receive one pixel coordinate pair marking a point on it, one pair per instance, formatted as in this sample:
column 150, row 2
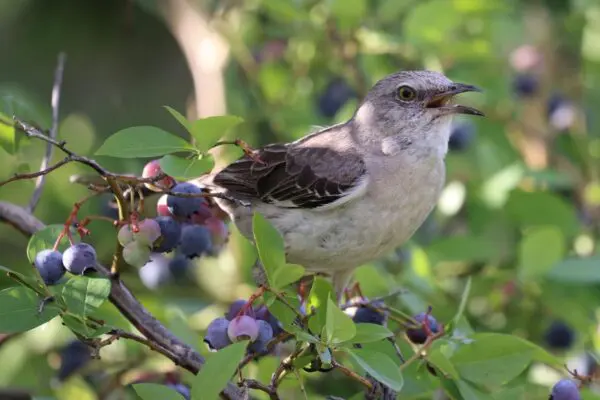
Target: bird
column 346, row 195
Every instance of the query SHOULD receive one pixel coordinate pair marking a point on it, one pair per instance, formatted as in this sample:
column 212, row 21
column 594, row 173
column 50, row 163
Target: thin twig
column 254, row 384
column 117, row 334
column 351, row 374
column 54, row 102
column 39, row 174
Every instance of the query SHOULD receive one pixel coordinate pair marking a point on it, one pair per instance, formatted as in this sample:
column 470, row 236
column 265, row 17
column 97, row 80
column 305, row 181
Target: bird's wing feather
column 296, row 175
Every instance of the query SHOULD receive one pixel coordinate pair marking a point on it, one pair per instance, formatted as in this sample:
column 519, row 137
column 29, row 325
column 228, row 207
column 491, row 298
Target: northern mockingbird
column 345, row 195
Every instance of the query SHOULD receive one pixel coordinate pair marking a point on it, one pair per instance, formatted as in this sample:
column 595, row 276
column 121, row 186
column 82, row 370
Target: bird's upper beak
column 441, row 100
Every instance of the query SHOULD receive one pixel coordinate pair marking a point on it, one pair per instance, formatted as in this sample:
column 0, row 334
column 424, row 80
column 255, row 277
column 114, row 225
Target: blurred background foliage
column 520, row 213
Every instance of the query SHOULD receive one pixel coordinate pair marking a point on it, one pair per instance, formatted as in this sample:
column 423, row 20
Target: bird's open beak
column 442, row 100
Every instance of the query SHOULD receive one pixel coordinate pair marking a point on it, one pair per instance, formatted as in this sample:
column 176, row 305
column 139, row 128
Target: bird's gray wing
column 295, row 176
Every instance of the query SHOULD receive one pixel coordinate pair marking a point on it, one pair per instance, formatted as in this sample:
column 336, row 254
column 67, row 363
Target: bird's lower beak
column 442, row 100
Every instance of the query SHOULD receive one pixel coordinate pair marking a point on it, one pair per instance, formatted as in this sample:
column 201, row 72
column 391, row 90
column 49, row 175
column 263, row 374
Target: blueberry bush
column 131, row 283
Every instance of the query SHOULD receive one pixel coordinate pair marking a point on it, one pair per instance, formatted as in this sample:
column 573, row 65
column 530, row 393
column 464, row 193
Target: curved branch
column 181, row 354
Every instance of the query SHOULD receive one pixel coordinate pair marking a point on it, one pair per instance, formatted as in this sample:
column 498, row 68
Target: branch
column 54, row 102
column 155, row 332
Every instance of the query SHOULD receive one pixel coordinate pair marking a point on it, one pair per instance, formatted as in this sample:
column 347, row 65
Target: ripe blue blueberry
column 73, row 357
column 417, row 334
column 368, row 315
column 242, row 328
column 262, row 313
column 336, row 94
column 559, row 335
column 184, row 207
column 565, row 389
column 156, row 272
column 79, row 258
column 179, row 265
column 461, row 135
column 181, row 389
column 195, row 241
column 236, row 307
column 170, row 231
column 216, row 334
column 265, row 334
column 525, row 85
column 50, row 266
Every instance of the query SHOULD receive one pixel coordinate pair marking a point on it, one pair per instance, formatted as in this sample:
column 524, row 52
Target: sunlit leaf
column 207, row 131
column 186, row 168
column 380, row 366
column 339, row 327
column 217, row 371
column 142, row 141
column 19, row 310
column 83, row 295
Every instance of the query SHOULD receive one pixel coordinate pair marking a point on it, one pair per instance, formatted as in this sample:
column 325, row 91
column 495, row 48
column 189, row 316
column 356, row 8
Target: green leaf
column 496, row 359
column 208, row 131
column 339, row 327
column 380, row 366
column 530, row 209
column 287, row 274
column 44, row 240
column 32, row 282
column 142, row 141
column 469, row 392
column 154, row 391
column 186, row 168
column 179, row 117
column 540, row 250
column 283, row 313
column 463, row 301
column 366, row 333
column 19, row 308
column 320, row 291
column 439, row 357
column 303, row 336
column 217, row 371
column 8, row 139
column 83, row 295
column 77, row 325
column 269, row 244
column 577, row 270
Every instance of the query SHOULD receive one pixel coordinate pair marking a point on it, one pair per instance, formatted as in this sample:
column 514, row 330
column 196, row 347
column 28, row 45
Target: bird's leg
column 354, row 290
column 340, row 281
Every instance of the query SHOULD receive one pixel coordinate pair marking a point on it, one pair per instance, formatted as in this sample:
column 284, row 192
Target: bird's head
column 418, row 104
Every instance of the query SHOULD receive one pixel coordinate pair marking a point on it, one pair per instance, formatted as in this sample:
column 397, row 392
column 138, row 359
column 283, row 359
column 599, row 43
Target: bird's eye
column 406, row 93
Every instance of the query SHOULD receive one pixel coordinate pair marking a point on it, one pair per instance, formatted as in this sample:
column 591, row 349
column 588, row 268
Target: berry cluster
column 189, row 227
column 52, row 264
column 243, row 322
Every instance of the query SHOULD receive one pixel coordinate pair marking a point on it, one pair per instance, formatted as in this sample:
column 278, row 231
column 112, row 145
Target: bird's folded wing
column 296, row 176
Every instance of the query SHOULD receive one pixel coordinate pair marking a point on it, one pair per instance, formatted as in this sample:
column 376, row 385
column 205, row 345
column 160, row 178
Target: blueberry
column 236, row 307
column 50, row 266
column 461, row 135
column 181, row 389
column 368, row 315
column 179, row 265
column 265, row 334
column 525, row 85
column 184, row 207
column 161, row 206
column 555, row 101
column 218, row 230
column 216, row 334
column 149, row 231
column 559, row 335
column 242, row 328
column 336, row 94
column 136, row 254
column 156, row 272
column 79, row 258
column 73, row 357
column 418, row 335
column 263, row 314
column 125, row 235
column 153, row 169
column 195, row 241
column 565, row 389
column 170, row 232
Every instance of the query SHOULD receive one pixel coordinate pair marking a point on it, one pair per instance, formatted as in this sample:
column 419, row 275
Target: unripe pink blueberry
column 149, row 231
column 153, row 169
column 242, row 328
column 218, row 230
column 136, row 254
column 161, row 207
